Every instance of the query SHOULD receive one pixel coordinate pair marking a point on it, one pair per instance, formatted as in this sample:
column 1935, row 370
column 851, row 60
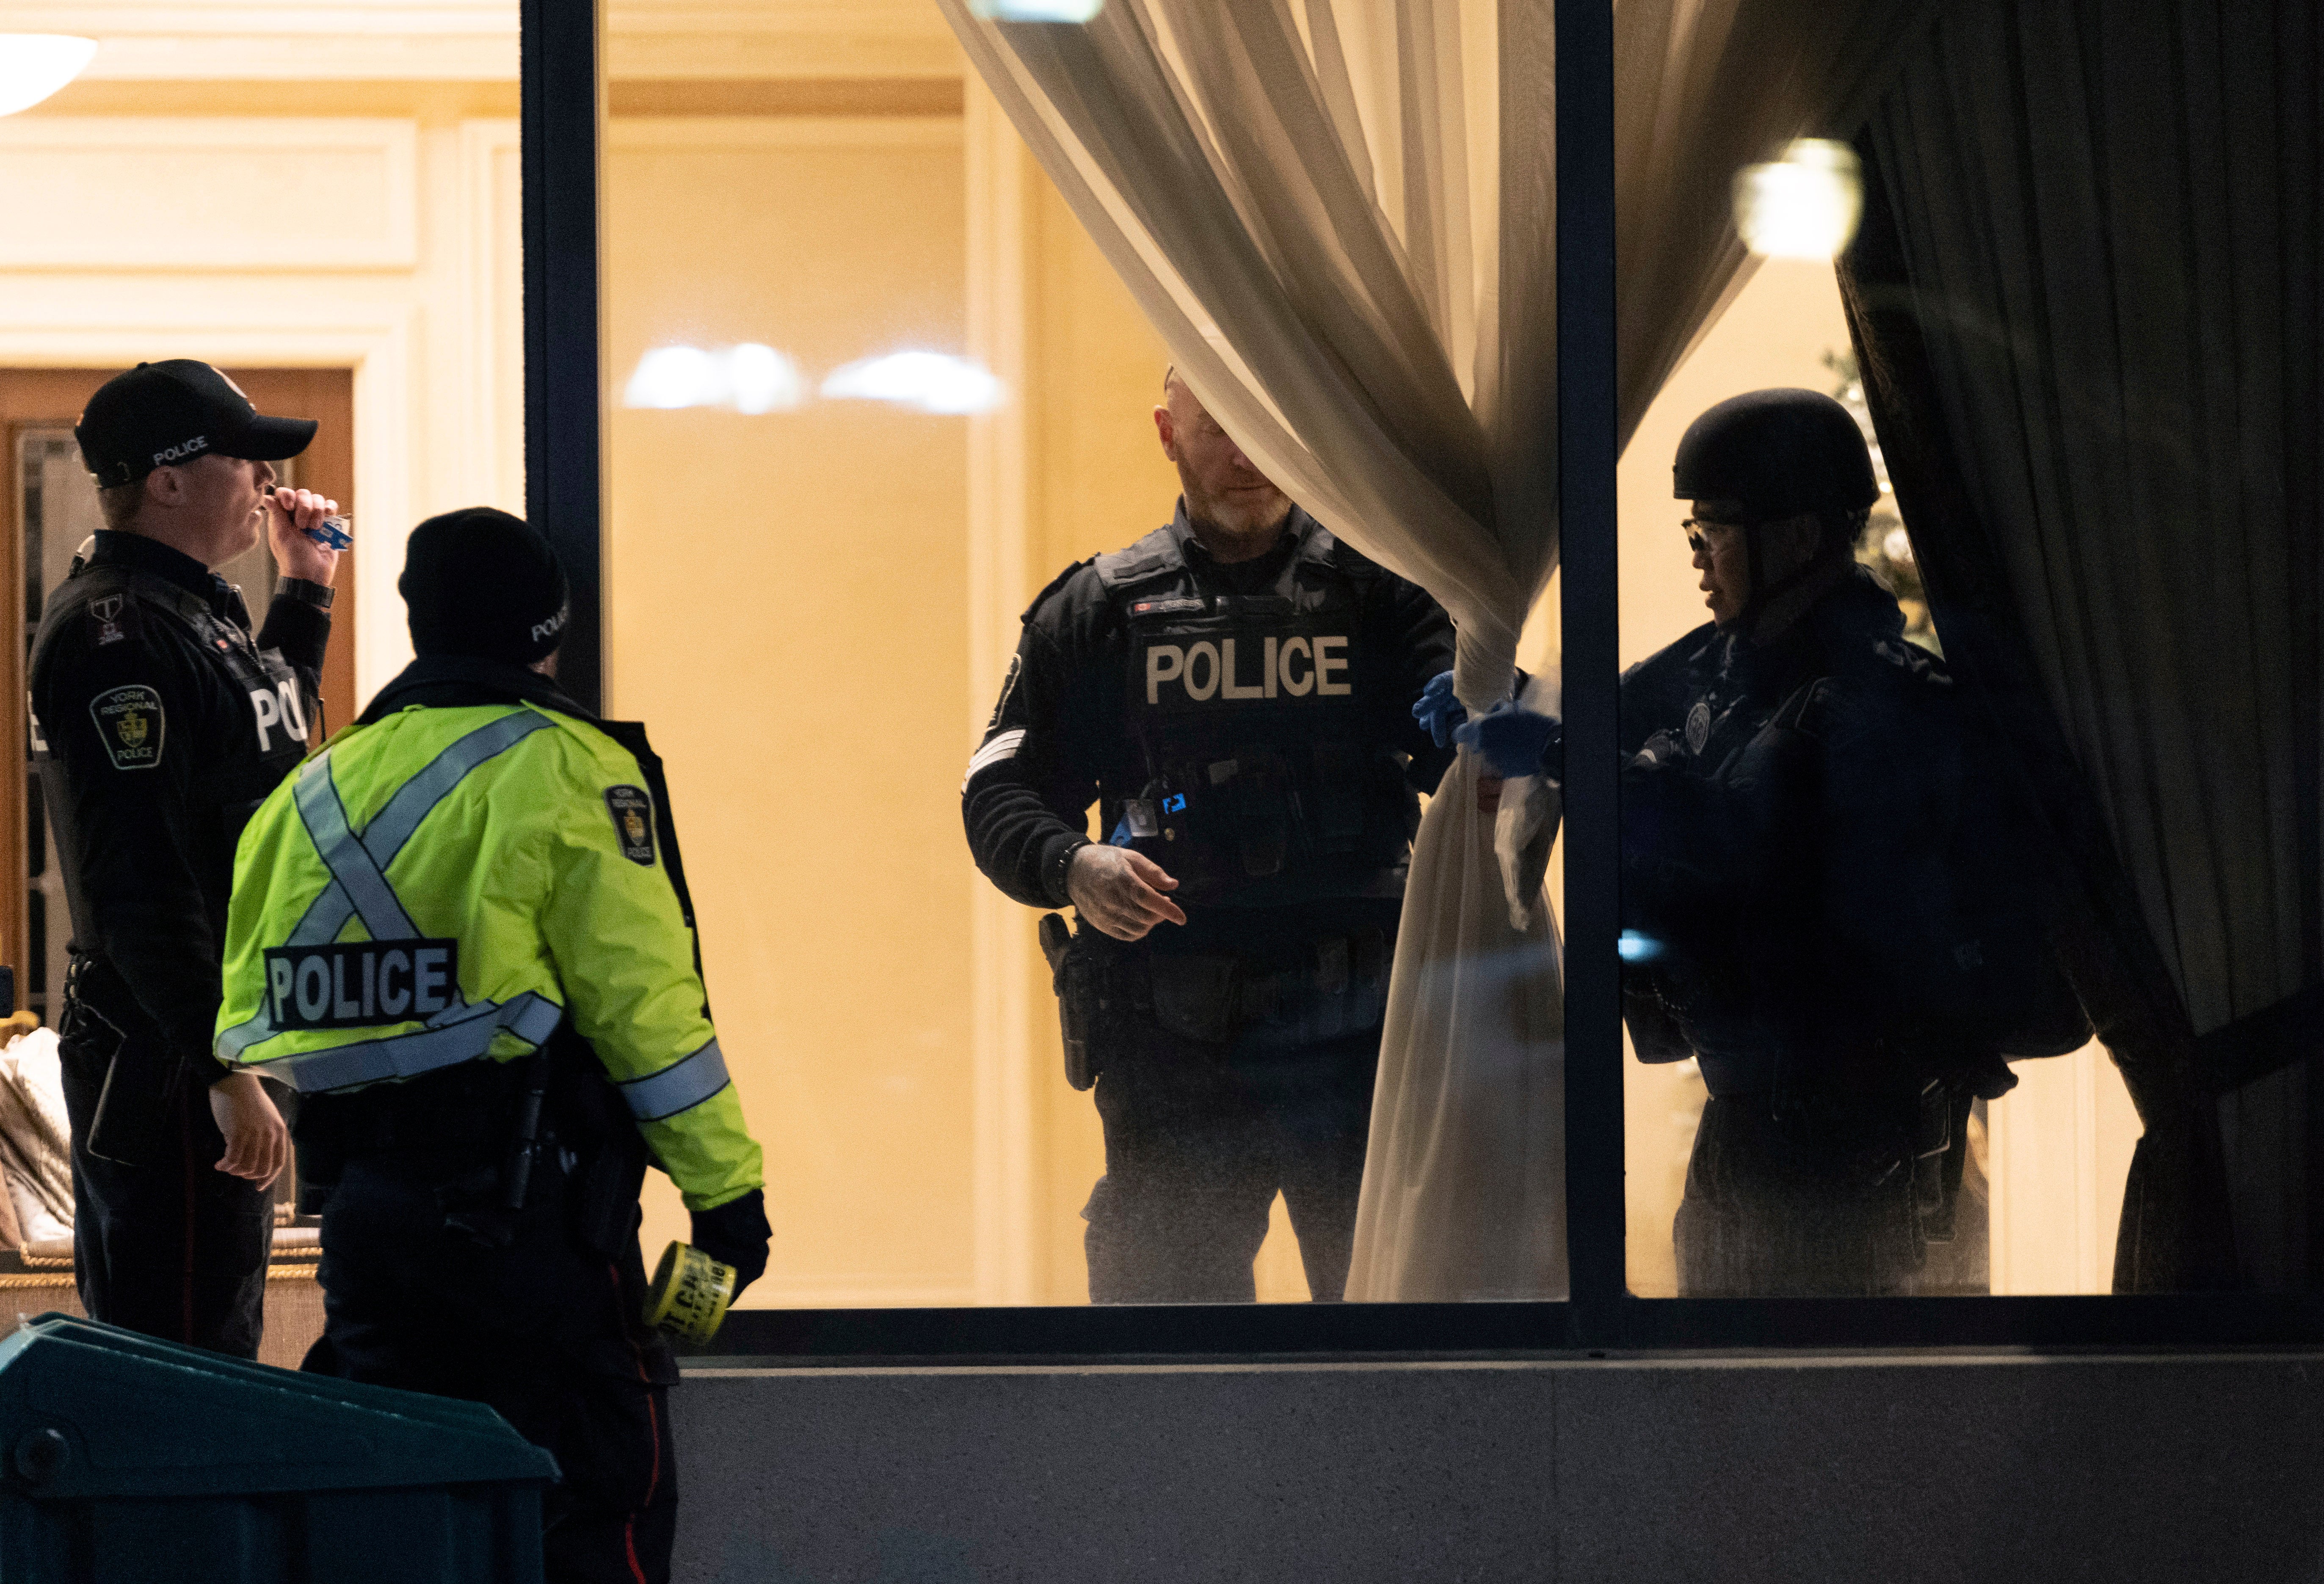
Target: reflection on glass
column 923, row 381
column 749, row 378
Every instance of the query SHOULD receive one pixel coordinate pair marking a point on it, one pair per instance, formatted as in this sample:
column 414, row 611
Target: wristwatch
column 318, row 595
column 1061, row 866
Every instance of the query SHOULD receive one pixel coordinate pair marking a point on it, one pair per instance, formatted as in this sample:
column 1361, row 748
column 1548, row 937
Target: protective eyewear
column 1694, row 527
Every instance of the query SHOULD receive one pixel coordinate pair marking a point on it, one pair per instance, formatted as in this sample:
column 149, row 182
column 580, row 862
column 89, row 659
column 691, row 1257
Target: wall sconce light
column 33, row 65
column 1804, row 205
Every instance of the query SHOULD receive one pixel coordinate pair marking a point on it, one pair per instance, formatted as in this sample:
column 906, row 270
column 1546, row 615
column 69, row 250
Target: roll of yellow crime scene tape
column 689, row 1294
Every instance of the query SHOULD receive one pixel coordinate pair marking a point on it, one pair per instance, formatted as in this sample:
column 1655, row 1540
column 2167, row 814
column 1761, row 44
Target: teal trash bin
column 124, row 1459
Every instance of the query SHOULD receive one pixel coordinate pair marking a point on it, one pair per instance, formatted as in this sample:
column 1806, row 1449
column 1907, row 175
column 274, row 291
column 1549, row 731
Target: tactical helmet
column 1778, row 453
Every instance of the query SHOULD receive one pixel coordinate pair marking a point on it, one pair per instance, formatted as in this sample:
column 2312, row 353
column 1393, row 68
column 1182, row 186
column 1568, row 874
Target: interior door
column 55, row 510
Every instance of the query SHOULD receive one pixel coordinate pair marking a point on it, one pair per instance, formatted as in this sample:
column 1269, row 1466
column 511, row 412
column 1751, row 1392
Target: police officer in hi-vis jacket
column 158, row 720
column 462, row 934
column 1234, row 692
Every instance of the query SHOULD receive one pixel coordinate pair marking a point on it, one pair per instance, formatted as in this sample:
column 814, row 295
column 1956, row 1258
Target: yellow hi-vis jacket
column 445, row 885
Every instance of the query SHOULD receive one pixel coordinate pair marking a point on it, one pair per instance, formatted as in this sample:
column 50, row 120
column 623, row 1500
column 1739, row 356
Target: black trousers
column 174, row 1248
column 1199, row 1140
column 545, row 1331
column 1765, row 1216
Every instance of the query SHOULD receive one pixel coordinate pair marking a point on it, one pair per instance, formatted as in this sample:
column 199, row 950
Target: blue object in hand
column 1438, row 709
column 1517, row 742
column 331, row 533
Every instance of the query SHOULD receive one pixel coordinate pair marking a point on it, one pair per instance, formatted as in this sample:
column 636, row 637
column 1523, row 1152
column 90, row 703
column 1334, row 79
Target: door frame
column 347, row 672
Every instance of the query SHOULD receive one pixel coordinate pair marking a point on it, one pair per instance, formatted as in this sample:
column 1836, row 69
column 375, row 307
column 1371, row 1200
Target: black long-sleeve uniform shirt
column 1058, row 739
column 160, row 723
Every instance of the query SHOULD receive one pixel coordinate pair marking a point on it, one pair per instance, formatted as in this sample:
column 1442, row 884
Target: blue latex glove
column 1438, row 710
column 1517, row 742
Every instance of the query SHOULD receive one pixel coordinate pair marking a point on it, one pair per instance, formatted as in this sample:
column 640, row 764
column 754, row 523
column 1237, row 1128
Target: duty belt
column 1211, row 995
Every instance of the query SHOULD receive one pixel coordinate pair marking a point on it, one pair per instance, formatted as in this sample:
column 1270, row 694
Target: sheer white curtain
column 1339, row 214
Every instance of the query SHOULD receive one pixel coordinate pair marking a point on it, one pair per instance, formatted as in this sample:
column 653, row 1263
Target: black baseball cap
column 159, row 413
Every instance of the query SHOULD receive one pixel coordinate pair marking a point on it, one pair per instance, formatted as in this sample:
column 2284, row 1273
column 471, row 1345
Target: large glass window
column 876, row 389
column 1962, row 877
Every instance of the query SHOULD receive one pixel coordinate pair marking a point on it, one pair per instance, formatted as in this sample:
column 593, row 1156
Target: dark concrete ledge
column 2181, row 1469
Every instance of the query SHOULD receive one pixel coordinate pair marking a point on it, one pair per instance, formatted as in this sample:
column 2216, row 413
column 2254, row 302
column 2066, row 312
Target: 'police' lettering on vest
column 1287, row 667
column 278, row 706
column 361, row 984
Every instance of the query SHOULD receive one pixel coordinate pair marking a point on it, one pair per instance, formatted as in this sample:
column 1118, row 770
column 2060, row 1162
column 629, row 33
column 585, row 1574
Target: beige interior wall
column 789, row 605
column 366, row 225
column 785, row 609
column 2060, row 1145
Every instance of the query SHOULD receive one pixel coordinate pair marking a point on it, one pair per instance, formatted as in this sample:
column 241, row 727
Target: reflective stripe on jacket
column 445, row 885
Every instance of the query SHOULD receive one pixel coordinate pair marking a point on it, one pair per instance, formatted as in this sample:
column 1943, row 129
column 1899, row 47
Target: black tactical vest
column 1263, row 776
column 259, row 699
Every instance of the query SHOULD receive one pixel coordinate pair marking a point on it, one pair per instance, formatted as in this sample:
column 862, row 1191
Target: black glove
column 736, row 1233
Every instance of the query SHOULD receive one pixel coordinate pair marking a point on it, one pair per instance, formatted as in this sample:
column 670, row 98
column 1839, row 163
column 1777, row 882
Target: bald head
column 1236, row 510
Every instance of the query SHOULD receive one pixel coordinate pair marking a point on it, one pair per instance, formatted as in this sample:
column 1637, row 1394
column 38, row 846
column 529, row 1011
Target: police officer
column 1828, row 889
column 1233, row 692
column 158, row 723
column 462, row 933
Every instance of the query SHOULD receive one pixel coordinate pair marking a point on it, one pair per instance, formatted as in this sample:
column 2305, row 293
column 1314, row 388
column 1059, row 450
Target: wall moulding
column 353, row 185
column 681, row 132
column 379, row 350
column 795, row 95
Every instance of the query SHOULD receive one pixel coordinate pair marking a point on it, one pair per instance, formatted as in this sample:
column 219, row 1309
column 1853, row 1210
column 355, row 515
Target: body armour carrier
column 236, row 767
column 1265, row 776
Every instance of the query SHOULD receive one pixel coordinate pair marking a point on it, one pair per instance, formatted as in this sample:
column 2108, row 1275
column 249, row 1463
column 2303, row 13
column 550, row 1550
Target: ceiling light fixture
column 1804, row 205
column 33, row 65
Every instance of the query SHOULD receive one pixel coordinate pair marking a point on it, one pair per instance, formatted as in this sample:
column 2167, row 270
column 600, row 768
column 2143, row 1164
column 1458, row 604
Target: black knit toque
column 479, row 582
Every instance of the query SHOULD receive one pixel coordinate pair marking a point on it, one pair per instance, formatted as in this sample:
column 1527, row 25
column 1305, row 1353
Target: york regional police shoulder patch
column 632, row 812
column 129, row 724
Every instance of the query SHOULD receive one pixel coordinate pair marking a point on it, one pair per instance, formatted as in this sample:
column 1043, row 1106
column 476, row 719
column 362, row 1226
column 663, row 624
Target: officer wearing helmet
column 1825, row 886
column 461, row 933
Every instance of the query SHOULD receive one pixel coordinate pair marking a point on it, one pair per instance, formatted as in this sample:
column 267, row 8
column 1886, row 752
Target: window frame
column 562, row 121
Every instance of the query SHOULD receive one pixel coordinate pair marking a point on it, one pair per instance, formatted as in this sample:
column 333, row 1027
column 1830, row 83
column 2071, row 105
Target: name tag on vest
column 356, row 984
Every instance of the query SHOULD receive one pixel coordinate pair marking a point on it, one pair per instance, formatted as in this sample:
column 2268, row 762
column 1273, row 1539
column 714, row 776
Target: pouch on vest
column 1195, row 995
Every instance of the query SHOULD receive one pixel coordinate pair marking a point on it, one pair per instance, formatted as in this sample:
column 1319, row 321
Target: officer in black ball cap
column 1827, row 887
column 159, row 722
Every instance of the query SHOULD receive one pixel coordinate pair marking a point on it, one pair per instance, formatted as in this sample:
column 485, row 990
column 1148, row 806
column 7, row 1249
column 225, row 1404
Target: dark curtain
column 2086, row 302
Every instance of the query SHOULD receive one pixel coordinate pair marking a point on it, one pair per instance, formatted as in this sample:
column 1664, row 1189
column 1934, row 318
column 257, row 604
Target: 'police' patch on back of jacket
column 358, row 984
column 632, row 812
column 129, row 724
